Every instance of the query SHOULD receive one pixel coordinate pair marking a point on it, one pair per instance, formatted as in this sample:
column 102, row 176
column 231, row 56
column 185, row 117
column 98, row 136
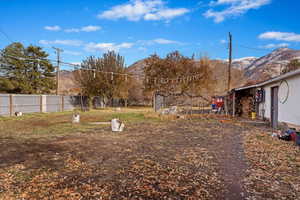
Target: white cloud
column 234, row 8
column 275, row 46
column 142, row 49
column 280, row 36
column 136, row 10
column 62, row 42
column 223, row 41
column 73, row 53
column 52, row 28
column 76, row 63
column 165, row 41
column 89, row 28
column 161, row 41
column 92, row 47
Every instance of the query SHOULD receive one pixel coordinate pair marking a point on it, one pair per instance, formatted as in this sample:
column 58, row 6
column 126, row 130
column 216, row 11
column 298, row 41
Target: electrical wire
column 5, row 35
column 161, row 80
column 252, row 48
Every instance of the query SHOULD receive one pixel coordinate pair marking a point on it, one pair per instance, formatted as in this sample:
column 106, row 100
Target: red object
column 220, row 103
column 293, row 136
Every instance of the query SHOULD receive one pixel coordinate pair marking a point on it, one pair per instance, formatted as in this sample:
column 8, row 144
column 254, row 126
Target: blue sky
column 139, row 28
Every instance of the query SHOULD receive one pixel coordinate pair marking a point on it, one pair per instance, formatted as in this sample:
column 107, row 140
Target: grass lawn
column 45, row 156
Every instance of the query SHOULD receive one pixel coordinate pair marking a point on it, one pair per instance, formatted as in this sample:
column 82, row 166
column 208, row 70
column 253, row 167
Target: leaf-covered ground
column 203, row 158
column 274, row 167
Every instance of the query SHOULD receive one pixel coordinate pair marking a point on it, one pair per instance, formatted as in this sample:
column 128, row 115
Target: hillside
column 248, row 69
column 270, row 65
column 243, row 63
column 67, row 84
column 218, row 68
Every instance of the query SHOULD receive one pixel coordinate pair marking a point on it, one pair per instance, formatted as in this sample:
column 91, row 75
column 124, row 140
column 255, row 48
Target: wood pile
column 246, row 104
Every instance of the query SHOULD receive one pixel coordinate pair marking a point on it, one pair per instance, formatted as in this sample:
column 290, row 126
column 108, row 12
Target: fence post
column 11, row 106
column 62, row 103
column 41, row 103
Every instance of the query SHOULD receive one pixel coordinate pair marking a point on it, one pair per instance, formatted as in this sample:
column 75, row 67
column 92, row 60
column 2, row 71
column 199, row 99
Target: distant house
column 276, row 100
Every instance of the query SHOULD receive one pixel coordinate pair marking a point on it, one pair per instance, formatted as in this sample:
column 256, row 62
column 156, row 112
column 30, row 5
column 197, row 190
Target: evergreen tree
column 26, row 70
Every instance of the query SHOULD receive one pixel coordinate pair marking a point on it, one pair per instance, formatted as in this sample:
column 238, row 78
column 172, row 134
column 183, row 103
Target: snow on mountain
column 271, row 65
column 243, row 63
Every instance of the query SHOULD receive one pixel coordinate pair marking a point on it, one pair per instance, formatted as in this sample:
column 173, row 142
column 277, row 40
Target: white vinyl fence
column 11, row 103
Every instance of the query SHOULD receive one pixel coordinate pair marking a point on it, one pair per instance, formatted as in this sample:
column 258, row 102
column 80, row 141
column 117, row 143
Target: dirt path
column 230, row 155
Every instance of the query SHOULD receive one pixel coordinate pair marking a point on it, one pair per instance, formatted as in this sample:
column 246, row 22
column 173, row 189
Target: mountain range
column 252, row 69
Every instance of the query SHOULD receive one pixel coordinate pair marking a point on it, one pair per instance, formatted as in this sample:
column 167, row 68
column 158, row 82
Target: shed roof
column 272, row 80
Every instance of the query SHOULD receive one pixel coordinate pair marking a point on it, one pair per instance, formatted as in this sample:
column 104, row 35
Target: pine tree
column 26, row 70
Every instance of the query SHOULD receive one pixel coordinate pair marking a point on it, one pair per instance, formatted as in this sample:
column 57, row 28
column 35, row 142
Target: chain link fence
column 186, row 103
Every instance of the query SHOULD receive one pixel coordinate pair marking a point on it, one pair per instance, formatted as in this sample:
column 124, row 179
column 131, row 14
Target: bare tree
column 177, row 74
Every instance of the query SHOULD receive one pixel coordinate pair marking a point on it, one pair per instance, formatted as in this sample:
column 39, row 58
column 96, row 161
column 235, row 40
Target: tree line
column 27, row 70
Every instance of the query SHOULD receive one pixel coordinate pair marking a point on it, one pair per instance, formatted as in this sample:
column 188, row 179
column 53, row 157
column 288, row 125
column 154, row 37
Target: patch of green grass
column 44, row 125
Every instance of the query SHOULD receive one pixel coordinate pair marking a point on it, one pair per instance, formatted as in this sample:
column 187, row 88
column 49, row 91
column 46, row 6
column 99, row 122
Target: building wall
column 288, row 112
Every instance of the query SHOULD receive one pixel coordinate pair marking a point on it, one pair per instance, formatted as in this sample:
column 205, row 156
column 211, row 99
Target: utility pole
column 229, row 74
column 230, row 62
column 57, row 51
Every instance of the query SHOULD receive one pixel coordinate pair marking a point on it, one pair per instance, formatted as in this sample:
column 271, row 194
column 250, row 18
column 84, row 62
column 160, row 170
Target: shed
column 276, row 100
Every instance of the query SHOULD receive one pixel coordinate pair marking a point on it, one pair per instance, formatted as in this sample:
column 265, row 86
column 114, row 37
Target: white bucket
column 117, row 125
column 76, row 118
column 18, row 114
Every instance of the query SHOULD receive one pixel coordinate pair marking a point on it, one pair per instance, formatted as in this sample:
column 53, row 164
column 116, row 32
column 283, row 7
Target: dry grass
column 45, row 156
column 152, row 159
column 58, row 124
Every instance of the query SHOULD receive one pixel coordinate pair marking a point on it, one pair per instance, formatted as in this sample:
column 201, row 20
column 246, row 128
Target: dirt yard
column 44, row 156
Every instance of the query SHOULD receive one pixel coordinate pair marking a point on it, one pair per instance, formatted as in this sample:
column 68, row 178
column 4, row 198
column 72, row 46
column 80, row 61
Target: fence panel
column 73, row 102
column 26, row 103
column 4, row 104
column 53, row 103
column 48, row 103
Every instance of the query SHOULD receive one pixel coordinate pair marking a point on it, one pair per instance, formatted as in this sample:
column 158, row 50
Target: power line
column 178, row 79
column 22, row 58
column 5, row 35
column 252, row 48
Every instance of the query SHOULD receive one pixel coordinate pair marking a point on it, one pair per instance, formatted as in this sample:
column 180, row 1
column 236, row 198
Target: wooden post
column 153, row 101
column 233, row 104
column 225, row 105
column 229, row 63
column 11, row 106
column 41, row 103
column 62, row 103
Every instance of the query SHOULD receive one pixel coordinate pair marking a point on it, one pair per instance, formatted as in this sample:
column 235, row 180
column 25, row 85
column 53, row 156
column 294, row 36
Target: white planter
column 117, row 125
column 76, row 118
